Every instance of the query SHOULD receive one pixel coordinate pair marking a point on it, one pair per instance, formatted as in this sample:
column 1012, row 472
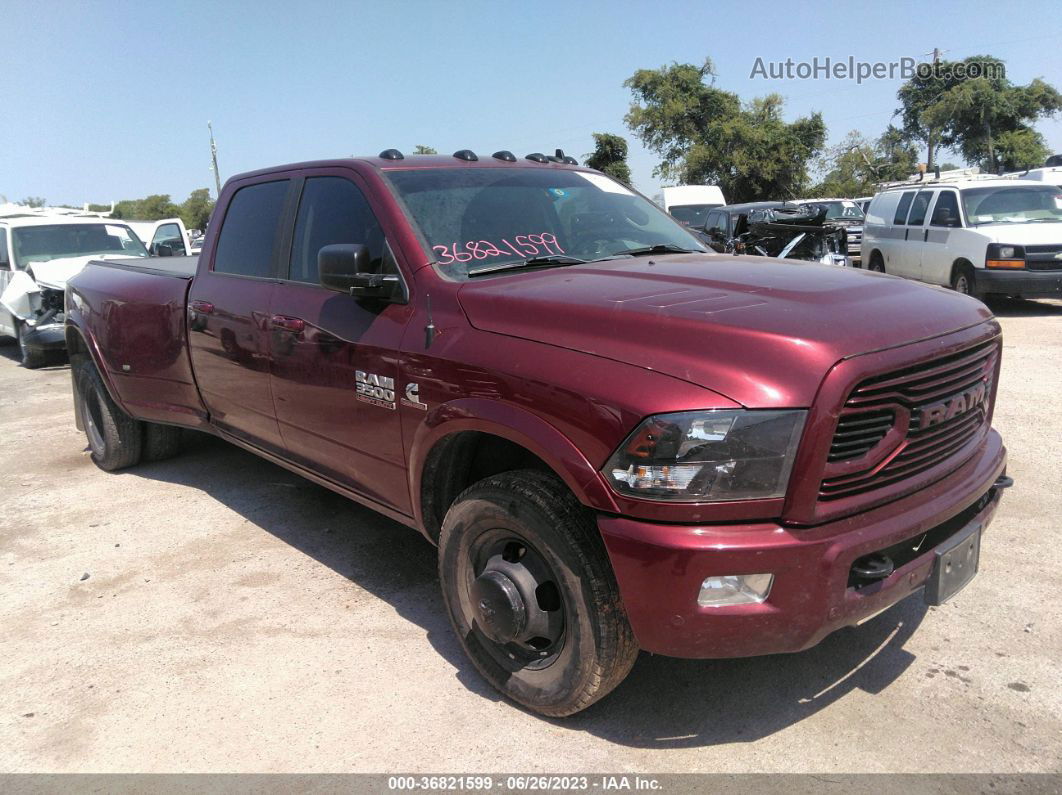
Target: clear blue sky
column 110, row 100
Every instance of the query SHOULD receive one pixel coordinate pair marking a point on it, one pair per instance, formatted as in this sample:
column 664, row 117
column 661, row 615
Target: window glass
column 903, row 207
column 42, row 243
column 332, row 210
column 919, row 207
column 474, row 218
column 946, row 211
column 716, row 220
column 4, row 260
column 245, row 245
column 1024, row 204
column 692, row 214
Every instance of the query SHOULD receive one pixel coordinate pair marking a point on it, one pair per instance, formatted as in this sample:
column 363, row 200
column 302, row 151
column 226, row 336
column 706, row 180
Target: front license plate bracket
column 956, row 562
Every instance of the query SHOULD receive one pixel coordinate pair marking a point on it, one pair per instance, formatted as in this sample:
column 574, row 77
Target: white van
column 689, row 204
column 978, row 236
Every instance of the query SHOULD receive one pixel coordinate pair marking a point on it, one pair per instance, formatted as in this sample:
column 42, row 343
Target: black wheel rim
column 512, row 601
column 92, row 419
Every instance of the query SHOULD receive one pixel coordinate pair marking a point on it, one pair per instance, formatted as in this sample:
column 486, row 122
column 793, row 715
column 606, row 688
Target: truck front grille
column 1042, row 257
column 946, row 401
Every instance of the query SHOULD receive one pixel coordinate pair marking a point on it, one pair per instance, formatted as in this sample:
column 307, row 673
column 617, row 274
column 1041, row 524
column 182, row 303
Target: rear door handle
column 202, row 307
column 925, row 237
column 287, row 323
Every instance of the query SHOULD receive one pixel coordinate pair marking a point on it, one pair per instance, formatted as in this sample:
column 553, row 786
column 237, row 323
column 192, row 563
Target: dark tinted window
column 946, row 211
column 333, row 210
column 919, row 207
column 3, row 247
column 903, row 207
column 692, row 214
column 716, row 220
column 245, row 246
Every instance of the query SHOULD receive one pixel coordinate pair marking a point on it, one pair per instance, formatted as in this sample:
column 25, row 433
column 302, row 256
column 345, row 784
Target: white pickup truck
column 38, row 253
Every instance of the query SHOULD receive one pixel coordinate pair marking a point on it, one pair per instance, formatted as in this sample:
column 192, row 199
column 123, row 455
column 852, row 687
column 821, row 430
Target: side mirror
column 343, row 267
column 163, row 250
column 5, row 265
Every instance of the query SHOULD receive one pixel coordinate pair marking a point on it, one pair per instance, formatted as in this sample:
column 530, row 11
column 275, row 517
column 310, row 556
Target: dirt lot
column 237, row 618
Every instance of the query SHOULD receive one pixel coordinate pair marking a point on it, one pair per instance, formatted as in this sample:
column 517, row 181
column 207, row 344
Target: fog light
column 735, row 589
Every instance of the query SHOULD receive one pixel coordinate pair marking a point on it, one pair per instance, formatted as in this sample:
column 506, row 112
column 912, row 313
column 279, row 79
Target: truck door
column 228, row 314
column 335, row 375
column 7, row 323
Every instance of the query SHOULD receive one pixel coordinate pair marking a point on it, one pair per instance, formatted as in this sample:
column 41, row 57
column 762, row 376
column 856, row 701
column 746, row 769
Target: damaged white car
column 37, row 255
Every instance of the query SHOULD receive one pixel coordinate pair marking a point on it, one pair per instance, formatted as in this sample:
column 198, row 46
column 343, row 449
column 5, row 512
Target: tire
column 963, row 281
column 521, row 538
column 115, row 439
column 160, row 441
column 31, row 359
column 877, row 264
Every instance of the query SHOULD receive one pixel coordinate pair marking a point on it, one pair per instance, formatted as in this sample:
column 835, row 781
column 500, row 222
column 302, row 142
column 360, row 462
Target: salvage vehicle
column 38, row 253
column 777, row 229
column 847, row 214
column 617, row 439
column 979, row 235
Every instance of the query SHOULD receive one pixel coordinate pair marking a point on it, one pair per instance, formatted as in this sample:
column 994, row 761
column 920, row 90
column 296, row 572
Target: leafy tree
column 707, row 135
column 33, row 201
column 421, row 149
column 195, row 210
column 150, row 208
column 610, row 156
column 854, row 167
column 985, row 118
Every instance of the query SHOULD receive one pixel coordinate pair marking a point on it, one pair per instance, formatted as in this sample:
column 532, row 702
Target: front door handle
column 287, row 323
column 202, row 307
column 925, row 237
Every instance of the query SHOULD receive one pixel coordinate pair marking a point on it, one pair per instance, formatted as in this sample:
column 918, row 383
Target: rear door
column 228, row 325
column 335, row 376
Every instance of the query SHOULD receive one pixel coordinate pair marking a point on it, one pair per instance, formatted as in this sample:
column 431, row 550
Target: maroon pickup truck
column 617, row 440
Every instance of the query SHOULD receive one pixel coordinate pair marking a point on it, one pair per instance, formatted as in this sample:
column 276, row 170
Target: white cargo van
column 979, row 236
column 689, row 204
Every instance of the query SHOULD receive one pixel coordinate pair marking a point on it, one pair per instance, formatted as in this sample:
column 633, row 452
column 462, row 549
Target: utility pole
column 929, row 135
column 214, row 161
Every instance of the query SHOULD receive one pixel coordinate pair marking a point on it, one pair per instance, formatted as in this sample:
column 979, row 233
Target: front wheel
column 963, row 281
column 531, row 594
column 877, row 264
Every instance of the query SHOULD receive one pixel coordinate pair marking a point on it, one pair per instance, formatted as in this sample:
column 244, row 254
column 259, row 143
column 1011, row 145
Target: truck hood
column 1022, row 234
column 56, row 272
column 762, row 332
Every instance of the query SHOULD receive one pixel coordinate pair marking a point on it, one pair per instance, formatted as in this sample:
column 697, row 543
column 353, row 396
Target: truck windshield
column 693, row 215
column 43, row 243
column 475, row 217
column 846, row 210
column 1013, row 205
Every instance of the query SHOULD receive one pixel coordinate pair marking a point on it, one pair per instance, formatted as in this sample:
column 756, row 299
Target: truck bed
column 136, row 311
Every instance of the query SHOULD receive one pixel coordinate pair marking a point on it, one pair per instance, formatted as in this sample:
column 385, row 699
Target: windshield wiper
column 659, row 248
column 533, row 262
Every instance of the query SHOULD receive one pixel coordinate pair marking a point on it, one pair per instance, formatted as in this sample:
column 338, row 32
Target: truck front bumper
column 49, row 337
column 660, row 568
column 1024, row 283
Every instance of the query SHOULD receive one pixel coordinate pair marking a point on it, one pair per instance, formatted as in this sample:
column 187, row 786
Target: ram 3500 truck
column 618, row 440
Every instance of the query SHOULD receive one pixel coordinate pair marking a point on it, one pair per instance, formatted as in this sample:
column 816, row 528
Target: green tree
column 610, row 156
column 195, row 210
column 33, row 201
column 978, row 113
column 854, row 167
column 705, row 135
column 421, row 149
column 150, row 208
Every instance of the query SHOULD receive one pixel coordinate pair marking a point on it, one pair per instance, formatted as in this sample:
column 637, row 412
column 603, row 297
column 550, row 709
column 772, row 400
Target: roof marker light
column 504, row 154
column 537, row 157
column 465, row 154
column 391, row 154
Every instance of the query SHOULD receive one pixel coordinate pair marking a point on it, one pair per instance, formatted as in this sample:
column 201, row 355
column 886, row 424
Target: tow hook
column 873, row 567
column 1003, row 482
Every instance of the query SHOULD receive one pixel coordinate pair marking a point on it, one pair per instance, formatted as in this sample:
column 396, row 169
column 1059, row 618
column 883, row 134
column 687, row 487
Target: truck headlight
column 1002, row 256
column 708, row 456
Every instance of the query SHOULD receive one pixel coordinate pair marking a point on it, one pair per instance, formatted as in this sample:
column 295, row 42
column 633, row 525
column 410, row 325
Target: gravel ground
column 216, row 613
